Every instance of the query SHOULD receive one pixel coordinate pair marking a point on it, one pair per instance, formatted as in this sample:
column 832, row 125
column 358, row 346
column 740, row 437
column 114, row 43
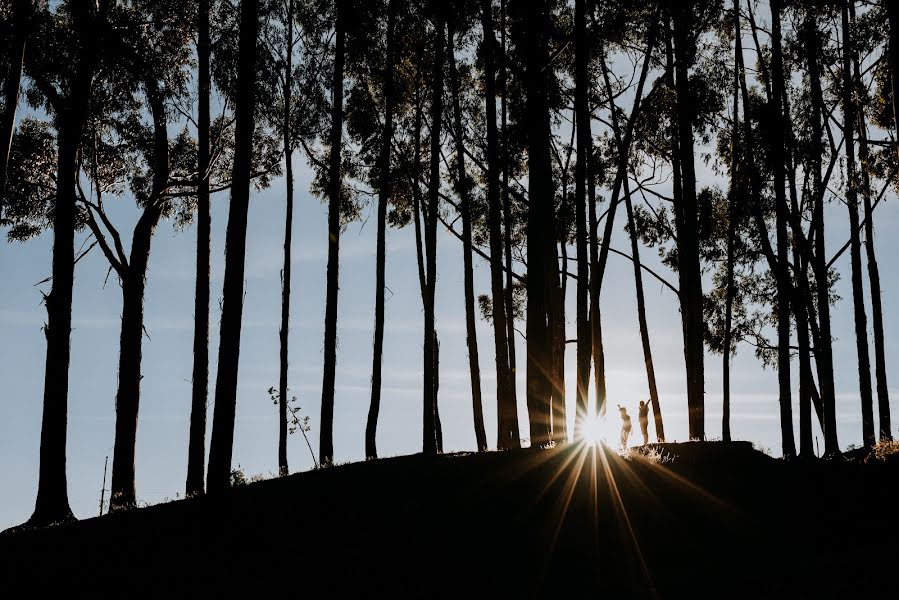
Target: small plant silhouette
column 295, row 421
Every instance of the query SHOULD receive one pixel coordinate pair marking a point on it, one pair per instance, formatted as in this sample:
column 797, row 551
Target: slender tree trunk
column 371, row 427
column 731, row 235
column 883, row 390
column 196, row 452
column 463, row 188
column 535, row 26
column 641, row 317
column 21, row 18
column 494, row 219
column 430, row 444
column 858, row 300
column 509, row 428
column 284, row 333
column 582, row 179
column 782, row 273
column 883, row 393
column 824, row 347
column 326, row 444
column 52, row 502
column 688, row 241
column 893, row 16
column 222, row 441
column 122, row 491
column 677, row 193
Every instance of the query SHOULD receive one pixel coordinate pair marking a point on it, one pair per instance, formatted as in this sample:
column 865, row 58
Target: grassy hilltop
column 700, row 519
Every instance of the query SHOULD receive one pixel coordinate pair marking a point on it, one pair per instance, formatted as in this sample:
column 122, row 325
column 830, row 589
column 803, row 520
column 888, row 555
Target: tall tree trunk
column 509, row 428
column 196, row 451
column 535, row 26
column 824, row 346
column 463, row 189
column 893, row 16
column 134, row 278
column 326, row 443
column 371, row 426
column 641, row 317
column 731, row 235
column 52, row 502
column 883, row 393
column 494, row 218
column 222, row 441
column 582, row 178
column 782, row 273
column 284, row 333
column 430, row 443
column 883, row 390
column 858, row 299
column 21, row 19
column 122, row 491
column 688, row 240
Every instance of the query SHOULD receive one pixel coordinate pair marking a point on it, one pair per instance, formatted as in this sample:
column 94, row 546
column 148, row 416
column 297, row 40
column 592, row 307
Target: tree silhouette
column 221, row 444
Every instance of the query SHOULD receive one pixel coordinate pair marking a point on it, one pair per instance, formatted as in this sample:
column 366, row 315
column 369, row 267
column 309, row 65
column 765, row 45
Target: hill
column 697, row 519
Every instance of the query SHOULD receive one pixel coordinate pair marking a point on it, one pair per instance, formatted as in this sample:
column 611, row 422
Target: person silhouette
column 625, row 426
column 643, row 417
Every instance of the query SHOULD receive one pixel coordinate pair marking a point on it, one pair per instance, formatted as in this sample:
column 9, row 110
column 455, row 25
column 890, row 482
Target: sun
column 593, row 430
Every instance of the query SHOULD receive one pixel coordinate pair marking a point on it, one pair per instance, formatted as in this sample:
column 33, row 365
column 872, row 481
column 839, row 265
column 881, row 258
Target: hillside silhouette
column 696, row 519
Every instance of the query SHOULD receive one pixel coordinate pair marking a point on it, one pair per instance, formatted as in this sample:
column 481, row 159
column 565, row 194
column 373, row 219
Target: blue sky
column 165, row 404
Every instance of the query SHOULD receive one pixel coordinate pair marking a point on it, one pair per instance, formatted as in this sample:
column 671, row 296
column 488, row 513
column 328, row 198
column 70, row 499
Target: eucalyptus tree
column 384, row 191
column 221, row 443
column 196, row 448
column 153, row 64
column 532, row 28
column 858, row 300
column 868, row 26
column 335, row 196
column 68, row 47
column 505, row 398
column 459, row 22
column 893, row 48
column 431, row 435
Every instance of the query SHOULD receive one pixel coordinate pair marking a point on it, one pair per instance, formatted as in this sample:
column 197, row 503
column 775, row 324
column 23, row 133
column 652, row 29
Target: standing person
column 643, row 417
column 625, row 426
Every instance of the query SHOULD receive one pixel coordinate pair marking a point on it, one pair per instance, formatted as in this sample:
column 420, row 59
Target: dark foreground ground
column 720, row 521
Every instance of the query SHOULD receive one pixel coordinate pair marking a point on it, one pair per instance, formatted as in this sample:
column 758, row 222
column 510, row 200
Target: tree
column 431, row 435
column 824, row 350
column 463, row 189
column 880, row 370
column 504, row 383
column 196, row 450
column 893, row 16
column 63, row 71
column 384, row 190
column 782, row 272
column 685, row 209
column 858, row 300
column 533, row 25
column 326, row 445
column 222, row 441
column 582, row 178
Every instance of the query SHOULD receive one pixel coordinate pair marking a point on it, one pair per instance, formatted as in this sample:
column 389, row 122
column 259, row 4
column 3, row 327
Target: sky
column 161, row 459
